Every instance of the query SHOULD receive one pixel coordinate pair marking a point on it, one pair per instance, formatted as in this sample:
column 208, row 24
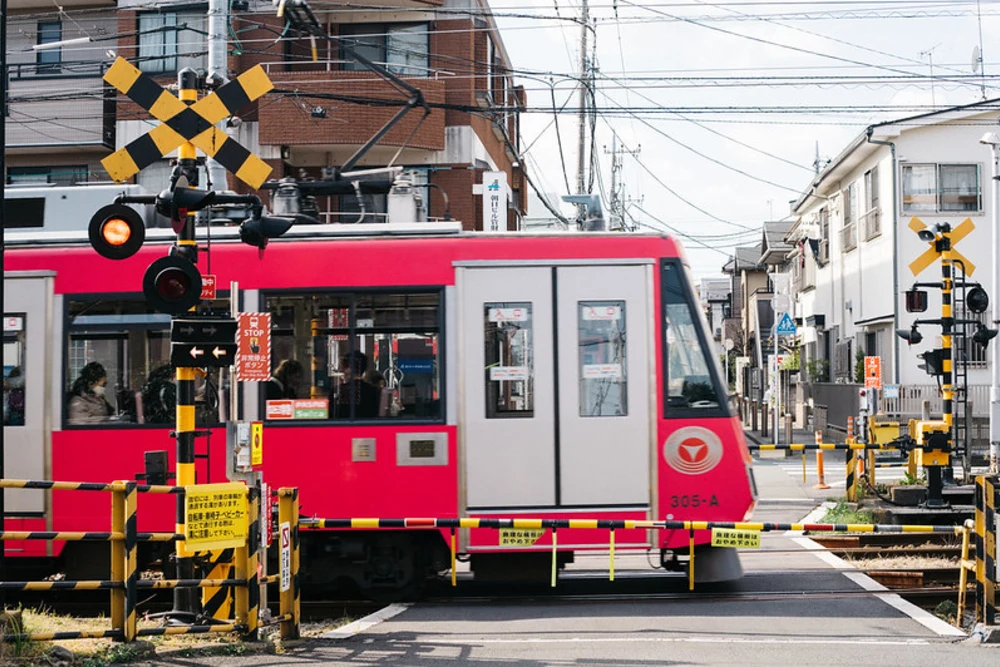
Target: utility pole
column 218, row 70
column 992, row 139
column 619, row 201
column 584, row 103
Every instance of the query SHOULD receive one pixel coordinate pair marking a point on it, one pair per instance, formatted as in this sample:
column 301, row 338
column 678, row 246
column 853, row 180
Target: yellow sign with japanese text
column 257, row 443
column 519, row 537
column 738, row 539
column 215, row 516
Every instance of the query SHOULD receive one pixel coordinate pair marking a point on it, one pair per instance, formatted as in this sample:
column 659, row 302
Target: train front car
column 590, row 391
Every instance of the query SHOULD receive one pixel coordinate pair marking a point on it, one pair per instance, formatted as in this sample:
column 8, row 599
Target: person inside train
column 354, row 389
column 87, row 403
column 285, row 381
column 13, row 398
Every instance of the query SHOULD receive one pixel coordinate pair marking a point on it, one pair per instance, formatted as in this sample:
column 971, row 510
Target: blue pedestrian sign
column 786, row 326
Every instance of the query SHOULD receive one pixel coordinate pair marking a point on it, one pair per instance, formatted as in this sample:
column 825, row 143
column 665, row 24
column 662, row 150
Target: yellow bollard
column 611, row 548
column 871, row 467
column 454, row 575
column 803, row 466
column 820, row 473
column 555, row 566
column 691, row 560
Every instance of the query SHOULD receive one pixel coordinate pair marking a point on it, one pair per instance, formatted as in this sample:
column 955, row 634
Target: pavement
column 848, row 620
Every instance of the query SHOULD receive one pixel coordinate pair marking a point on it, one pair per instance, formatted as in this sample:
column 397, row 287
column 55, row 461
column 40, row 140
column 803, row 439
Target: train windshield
column 691, row 383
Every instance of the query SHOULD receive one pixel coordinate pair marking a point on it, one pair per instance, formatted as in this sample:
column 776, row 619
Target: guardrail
column 730, row 533
column 124, row 582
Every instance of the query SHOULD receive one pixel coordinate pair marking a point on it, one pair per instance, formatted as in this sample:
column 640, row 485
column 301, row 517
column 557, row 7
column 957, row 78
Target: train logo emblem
column 692, row 450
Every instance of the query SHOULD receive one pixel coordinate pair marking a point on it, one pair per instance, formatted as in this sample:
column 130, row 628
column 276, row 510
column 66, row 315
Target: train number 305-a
column 695, row 500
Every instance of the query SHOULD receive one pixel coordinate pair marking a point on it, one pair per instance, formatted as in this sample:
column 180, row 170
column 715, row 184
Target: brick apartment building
column 63, row 119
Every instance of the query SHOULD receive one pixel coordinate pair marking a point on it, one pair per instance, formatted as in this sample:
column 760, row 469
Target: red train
column 449, row 374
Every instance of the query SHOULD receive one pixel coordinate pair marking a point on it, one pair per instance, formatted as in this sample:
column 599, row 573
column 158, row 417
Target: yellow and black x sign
column 930, row 255
column 182, row 123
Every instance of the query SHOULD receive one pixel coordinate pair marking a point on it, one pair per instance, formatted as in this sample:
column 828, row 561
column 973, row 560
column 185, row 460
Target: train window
column 603, row 376
column 690, row 383
column 13, row 368
column 509, row 360
column 355, row 356
column 118, row 370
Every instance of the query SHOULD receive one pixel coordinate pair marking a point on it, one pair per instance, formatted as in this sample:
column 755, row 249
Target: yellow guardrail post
column 241, row 596
column 691, row 558
column 131, row 575
column 852, row 480
column 611, row 554
column 871, row 467
column 555, row 564
column 454, row 559
column 118, row 558
column 288, row 512
column 965, row 566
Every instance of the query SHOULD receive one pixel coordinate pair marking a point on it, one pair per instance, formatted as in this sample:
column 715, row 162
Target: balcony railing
column 64, row 69
column 871, row 223
column 848, row 237
column 339, row 65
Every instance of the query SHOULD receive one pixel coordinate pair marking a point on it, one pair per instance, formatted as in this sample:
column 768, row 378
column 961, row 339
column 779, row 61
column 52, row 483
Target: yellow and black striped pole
column 186, row 600
column 118, row 560
column 131, row 573
column 288, row 512
column 253, row 553
column 936, row 469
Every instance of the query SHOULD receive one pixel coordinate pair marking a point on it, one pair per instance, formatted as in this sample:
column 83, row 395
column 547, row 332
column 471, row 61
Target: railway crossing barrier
column 724, row 533
column 124, row 582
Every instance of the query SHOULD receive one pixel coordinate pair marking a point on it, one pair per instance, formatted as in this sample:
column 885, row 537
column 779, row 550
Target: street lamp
column 992, row 140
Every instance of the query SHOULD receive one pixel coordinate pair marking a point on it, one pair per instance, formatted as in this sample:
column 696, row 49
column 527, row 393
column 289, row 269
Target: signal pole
column 187, row 169
column 218, row 72
column 993, row 141
column 581, row 162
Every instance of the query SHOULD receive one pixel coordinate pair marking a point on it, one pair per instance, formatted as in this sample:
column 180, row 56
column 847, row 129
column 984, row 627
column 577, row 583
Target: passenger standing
column 87, row 403
column 284, row 384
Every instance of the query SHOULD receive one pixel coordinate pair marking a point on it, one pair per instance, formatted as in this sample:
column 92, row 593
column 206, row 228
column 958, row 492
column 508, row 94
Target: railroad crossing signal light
column 117, row 231
column 258, row 229
column 977, row 300
column 916, row 301
column 933, row 362
column 911, row 336
column 172, row 285
column 176, row 204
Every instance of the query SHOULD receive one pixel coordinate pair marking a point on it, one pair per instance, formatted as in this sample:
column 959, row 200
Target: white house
column 856, row 249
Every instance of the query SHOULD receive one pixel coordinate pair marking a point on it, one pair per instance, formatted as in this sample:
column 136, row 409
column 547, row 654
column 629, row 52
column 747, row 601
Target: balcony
column 848, row 237
column 871, row 224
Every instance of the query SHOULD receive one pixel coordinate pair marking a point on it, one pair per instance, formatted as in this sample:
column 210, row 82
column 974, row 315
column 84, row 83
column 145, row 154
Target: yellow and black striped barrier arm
column 186, row 120
column 62, row 636
column 189, row 630
column 619, row 524
column 818, row 446
column 84, row 486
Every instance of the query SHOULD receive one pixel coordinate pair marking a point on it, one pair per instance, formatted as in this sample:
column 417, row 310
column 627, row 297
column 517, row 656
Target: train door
column 554, row 363
column 27, row 337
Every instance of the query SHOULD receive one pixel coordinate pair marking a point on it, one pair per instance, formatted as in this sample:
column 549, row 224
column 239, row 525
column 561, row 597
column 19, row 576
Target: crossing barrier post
column 118, row 559
column 965, row 566
column 691, row 558
column 820, row 472
column 871, row 467
column 253, row 551
column 131, row 573
column 852, row 481
column 241, row 596
column 288, row 512
column 611, row 551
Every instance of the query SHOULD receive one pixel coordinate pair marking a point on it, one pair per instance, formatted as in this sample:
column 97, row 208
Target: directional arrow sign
column 207, row 331
column 200, row 355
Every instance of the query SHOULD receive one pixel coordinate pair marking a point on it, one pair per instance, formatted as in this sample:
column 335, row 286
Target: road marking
column 367, row 622
column 675, row 640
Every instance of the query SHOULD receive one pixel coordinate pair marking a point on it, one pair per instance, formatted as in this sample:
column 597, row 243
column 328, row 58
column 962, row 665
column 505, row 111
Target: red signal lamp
column 172, row 285
column 116, row 231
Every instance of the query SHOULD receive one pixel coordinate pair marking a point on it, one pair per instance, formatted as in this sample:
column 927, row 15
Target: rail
column 124, row 582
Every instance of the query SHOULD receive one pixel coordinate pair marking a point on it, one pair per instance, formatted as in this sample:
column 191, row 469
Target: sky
column 726, row 101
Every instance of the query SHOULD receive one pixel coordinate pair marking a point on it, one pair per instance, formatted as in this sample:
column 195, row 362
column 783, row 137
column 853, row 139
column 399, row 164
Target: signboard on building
column 494, row 192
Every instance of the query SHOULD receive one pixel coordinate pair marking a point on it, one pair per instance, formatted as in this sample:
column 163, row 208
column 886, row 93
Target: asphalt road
column 846, row 626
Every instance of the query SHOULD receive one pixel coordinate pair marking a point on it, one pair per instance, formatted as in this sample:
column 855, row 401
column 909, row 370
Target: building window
column 402, row 48
column 937, row 188
column 57, row 175
column 848, row 233
column 48, row 60
column 170, row 41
